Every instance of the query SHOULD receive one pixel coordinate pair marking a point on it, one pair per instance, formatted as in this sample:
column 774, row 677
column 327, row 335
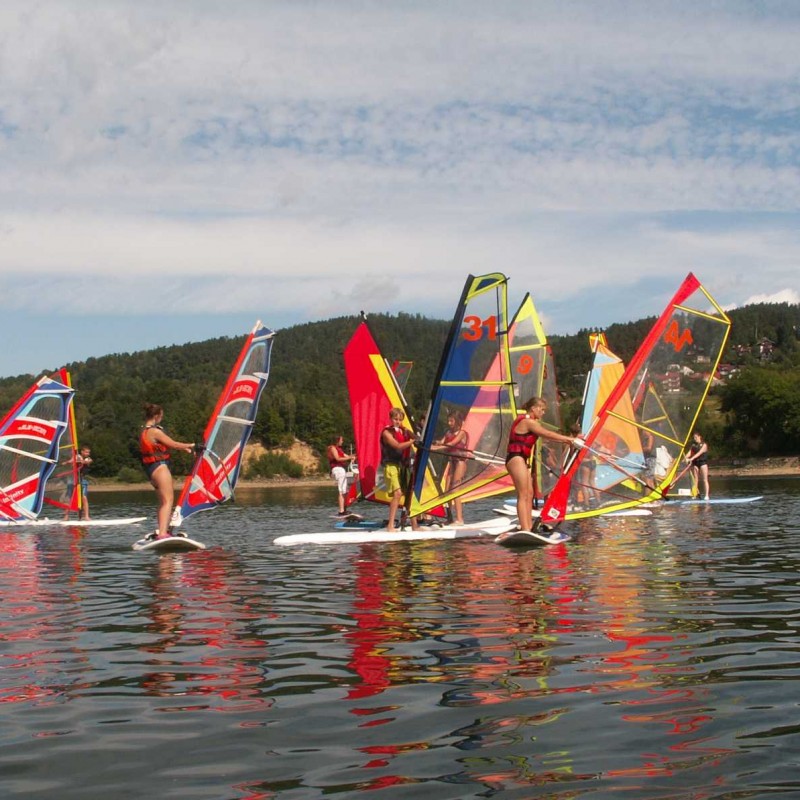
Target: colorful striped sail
column 475, row 384
column 62, row 489
column 216, row 469
column 30, row 435
column 373, row 390
column 680, row 356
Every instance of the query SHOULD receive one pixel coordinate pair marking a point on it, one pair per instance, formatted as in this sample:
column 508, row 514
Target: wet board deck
column 530, row 539
column 172, row 544
column 73, row 523
column 358, row 525
column 718, row 501
column 487, row 529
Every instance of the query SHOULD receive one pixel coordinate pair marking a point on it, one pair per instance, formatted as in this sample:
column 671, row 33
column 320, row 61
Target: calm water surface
column 649, row 658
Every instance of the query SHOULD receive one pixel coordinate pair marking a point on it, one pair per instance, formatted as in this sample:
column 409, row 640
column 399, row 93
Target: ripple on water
column 650, row 657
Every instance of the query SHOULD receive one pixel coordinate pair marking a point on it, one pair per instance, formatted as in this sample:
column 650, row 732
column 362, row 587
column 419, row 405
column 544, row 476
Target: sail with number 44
column 216, row 468
column 30, row 435
column 680, row 356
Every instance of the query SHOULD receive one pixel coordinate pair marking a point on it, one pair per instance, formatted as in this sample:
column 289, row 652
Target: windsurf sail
column 474, row 384
column 216, row 468
column 532, row 371
column 402, row 372
column 30, row 435
column 62, row 489
column 679, row 356
column 373, row 390
column 534, row 375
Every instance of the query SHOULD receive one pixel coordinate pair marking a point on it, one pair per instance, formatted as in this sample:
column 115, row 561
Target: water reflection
column 200, row 645
column 651, row 657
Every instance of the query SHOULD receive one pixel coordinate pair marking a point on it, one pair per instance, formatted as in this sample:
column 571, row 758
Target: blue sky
column 174, row 171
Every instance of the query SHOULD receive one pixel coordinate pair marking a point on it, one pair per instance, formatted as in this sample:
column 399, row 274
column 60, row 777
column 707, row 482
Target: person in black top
column 698, row 458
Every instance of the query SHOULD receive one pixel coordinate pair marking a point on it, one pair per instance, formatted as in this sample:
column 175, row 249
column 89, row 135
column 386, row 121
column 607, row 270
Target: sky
column 172, row 172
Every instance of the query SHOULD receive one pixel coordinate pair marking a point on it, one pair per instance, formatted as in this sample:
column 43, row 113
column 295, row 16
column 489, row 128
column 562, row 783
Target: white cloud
column 322, row 155
column 780, row 296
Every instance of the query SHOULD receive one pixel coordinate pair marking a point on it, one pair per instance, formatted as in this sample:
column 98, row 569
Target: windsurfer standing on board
column 154, row 447
column 455, row 443
column 697, row 457
column 525, row 432
column 396, row 444
column 339, row 461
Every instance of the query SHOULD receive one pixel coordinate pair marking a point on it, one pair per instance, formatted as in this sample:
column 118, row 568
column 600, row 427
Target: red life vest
column 336, row 462
column 520, row 444
column 151, row 452
column 391, row 456
column 457, row 452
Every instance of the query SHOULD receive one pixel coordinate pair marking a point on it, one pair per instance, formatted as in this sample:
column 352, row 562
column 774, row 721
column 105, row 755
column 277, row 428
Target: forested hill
column 306, row 396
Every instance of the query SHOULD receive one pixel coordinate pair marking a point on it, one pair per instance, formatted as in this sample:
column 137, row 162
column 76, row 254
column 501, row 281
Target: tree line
column 756, row 412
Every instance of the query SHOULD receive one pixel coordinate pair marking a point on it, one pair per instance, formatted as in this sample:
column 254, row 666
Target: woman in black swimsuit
column 698, row 458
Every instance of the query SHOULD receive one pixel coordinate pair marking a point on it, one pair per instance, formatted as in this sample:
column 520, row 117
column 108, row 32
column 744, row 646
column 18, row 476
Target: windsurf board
column 73, row 523
column 714, row 501
column 487, row 529
column 171, row 544
column 529, row 538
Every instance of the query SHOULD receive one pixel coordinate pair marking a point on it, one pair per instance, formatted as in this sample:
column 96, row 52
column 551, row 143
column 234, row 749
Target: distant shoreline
column 738, row 468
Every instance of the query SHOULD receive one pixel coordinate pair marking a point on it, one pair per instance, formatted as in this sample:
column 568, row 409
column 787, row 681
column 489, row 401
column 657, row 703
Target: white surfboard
column 171, row 544
column 530, row 538
column 714, row 501
column 487, row 529
column 73, row 523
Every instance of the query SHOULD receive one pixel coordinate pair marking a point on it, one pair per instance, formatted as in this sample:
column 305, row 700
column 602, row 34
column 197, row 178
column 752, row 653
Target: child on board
column 396, row 442
column 154, row 447
column 697, row 456
column 338, row 461
column 526, row 430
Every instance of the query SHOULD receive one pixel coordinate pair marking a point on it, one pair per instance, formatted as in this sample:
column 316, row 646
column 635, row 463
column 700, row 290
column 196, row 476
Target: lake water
column 649, row 658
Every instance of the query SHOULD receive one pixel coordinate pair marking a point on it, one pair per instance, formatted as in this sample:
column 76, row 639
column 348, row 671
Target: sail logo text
column 32, row 430
column 678, row 339
column 475, row 328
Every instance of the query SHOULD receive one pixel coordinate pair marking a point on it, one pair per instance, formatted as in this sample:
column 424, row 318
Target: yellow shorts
column 392, row 478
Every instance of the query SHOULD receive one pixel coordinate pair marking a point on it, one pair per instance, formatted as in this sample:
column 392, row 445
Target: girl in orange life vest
column 396, row 444
column 154, row 447
column 338, row 461
column 521, row 443
column 455, row 443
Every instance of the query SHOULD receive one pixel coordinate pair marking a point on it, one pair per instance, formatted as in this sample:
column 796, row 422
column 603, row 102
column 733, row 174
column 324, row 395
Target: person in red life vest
column 397, row 442
column 455, row 443
column 154, row 447
column 525, row 431
column 339, row 461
